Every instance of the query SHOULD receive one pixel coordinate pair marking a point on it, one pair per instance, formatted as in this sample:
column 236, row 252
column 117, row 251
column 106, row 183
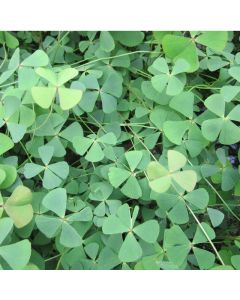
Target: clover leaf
column 101, row 191
column 44, row 96
column 19, row 206
column 5, row 143
column 180, row 47
column 123, row 222
column 8, row 38
column 174, row 205
column 26, row 73
column 178, row 246
column 161, row 178
column 51, row 226
column 54, row 173
column 222, row 126
column 91, row 145
column 174, row 81
column 10, row 115
column 117, row 176
column 8, row 175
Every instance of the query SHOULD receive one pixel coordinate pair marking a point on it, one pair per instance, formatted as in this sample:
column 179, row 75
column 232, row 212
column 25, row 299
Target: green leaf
column 65, row 75
column 113, row 225
column 56, row 201
column 81, row 144
column 47, row 74
column 234, row 114
column 92, row 250
column 16, row 255
column 31, row 170
column 128, row 38
column 17, row 131
column 54, row 174
column 85, row 215
column 159, row 82
column 109, row 103
column 215, row 40
column 175, row 85
column 117, row 176
column 38, row 59
column 216, row 104
column 124, row 215
column 175, row 130
column 9, row 39
column 46, row 154
column 211, row 128
column 5, row 143
column 176, row 244
column 6, row 225
column 159, row 178
column 61, row 169
column 179, row 213
column 113, row 85
column 186, row 179
column 2, row 176
column 176, row 160
column 200, row 235
column 69, row 97
column 69, row 236
column 108, row 138
column 204, row 258
column 48, row 225
column 133, row 158
column 132, row 188
column 148, row 231
column 216, row 216
column 43, row 96
column 199, row 198
column 130, row 250
column 235, row 72
column 178, row 47
column 19, row 206
column 27, row 78
column 230, row 133
column 95, row 153
column 229, row 92
column 235, row 260
column 183, row 103
column 106, row 41
column 10, row 175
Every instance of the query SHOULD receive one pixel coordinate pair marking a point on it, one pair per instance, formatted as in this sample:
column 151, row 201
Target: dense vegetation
column 119, row 150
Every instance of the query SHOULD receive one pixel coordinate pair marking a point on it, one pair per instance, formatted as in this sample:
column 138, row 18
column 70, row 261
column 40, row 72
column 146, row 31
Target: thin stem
column 205, row 233
column 219, row 196
column 60, row 259
column 5, row 56
column 8, row 84
column 136, row 135
column 53, row 257
column 115, row 56
column 202, row 87
column 29, row 157
column 43, row 123
column 214, row 248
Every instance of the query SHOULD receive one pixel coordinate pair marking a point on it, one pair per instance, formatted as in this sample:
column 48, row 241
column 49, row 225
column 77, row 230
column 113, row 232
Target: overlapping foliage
column 119, row 150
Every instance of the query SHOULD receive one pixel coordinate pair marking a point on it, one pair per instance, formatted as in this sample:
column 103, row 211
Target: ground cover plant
column 119, row 150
